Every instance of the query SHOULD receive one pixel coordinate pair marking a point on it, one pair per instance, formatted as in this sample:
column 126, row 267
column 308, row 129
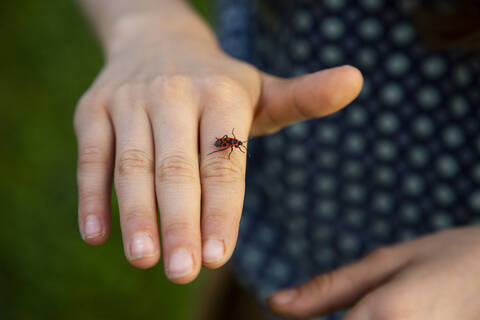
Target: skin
column 433, row 277
column 165, row 92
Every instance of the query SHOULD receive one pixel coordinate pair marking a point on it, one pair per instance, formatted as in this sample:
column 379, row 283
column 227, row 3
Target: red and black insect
column 226, row 142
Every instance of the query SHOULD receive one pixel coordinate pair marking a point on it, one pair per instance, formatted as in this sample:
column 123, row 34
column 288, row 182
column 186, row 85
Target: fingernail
column 284, row 296
column 92, row 227
column 213, row 250
column 142, row 246
column 180, row 263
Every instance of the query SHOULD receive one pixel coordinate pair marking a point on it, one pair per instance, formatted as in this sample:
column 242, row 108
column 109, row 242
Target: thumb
column 284, row 101
column 339, row 288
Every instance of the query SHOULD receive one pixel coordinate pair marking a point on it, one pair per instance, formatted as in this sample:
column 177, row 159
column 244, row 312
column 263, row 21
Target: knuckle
column 94, row 97
column 176, row 228
column 299, row 96
column 89, row 197
column 222, row 171
column 89, row 155
column 90, row 104
column 91, row 202
column 134, row 161
column 221, row 81
column 124, row 91
column 173, row 84
column 221, row 222
column 130, row 92
column 176, row 168
column 136, row 214
column 214, row 219
column 225, row 88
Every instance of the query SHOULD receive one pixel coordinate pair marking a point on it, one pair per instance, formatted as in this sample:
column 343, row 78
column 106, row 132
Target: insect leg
column 218, row 150
column 246, row 149
column 230, row 153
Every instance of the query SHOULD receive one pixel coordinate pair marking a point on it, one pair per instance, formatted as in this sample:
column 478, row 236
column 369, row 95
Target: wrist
column 150, row 29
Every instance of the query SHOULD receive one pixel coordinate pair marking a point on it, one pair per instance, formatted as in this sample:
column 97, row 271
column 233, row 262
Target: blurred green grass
column 48, row 58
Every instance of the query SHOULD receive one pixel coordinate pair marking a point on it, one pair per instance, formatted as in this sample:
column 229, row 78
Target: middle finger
column 177, row 182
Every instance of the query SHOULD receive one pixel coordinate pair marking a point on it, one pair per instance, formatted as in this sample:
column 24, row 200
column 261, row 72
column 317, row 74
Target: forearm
column 116, row 21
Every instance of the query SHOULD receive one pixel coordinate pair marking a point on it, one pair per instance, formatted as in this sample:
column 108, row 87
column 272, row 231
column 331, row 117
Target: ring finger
column 134, row 182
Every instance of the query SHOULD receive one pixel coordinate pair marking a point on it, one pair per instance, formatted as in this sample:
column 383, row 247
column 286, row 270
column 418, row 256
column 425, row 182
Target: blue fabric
column 401, row 161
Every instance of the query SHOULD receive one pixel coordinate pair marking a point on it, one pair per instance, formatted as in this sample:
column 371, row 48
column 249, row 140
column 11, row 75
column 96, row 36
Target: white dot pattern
column 402, row 160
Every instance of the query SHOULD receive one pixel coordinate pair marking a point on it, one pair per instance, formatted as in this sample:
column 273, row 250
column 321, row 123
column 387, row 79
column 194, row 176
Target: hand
column 158, row 102
column 434, row 277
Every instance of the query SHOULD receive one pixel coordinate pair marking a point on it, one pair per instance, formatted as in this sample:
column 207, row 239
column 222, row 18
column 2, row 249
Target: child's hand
column 435, row 277
column 156, row 105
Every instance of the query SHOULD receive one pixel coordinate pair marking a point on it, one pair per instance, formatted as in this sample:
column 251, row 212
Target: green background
column 48, row 58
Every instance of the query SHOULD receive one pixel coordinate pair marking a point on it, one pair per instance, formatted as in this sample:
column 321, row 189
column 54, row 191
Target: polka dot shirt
column 402, row 160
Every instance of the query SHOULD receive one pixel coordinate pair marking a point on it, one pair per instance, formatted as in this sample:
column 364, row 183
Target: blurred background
column 48, row 58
